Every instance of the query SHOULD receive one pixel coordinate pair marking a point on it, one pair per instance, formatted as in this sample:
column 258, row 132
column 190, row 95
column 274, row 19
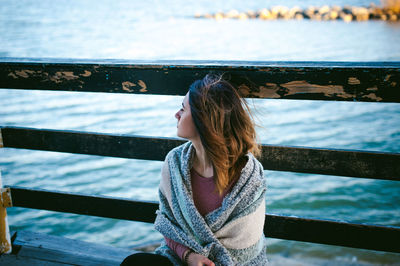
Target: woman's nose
column 177, row 115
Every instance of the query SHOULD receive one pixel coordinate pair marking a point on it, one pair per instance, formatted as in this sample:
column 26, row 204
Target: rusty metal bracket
column 6, row 200
column 1, row 140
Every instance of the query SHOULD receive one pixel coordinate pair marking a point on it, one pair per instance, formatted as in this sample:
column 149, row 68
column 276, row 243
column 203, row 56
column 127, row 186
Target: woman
column 212, row 190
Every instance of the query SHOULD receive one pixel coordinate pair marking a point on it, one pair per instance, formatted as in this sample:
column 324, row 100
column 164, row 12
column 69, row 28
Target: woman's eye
column 181, row 109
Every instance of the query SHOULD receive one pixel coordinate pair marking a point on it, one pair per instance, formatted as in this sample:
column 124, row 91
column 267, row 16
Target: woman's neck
column 202, row 163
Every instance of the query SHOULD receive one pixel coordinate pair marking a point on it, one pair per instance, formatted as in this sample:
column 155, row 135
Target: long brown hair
column 224, row 123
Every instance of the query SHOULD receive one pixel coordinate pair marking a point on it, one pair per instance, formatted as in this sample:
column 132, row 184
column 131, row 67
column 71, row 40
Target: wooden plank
column 39, row 249
column 101, row 206
column 59, row 256
column 377, row 165
column 292, row 228
column 352, row 163
column 67, row 245
column 14, row 260
column 373, row 237
column 137, row 147
column 67, row 251
column 342, row 81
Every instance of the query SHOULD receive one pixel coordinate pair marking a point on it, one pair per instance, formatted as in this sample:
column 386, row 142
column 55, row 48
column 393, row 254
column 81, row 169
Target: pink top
column 206, row 199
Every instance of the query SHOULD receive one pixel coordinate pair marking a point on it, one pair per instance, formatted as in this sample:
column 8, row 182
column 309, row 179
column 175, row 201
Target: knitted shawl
column 231, row 234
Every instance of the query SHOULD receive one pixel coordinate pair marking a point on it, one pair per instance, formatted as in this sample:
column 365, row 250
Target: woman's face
column 186, row 128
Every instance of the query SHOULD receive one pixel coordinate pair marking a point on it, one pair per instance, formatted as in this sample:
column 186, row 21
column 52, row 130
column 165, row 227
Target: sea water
column 152, row 30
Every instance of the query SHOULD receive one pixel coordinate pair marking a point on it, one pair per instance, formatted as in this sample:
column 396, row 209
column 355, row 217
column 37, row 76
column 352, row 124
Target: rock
column 324, row 9
column 317, row 16
column 347, row 13
column 279, row 11
column 265, row 14
column 311, row 12
column 219, row 16
column 305, row 15
column 243, row 16
column 360, row 13
column 347, row 10
column 232, row 14
column 293, row 11
column 251, row 14
column 334, row 15
column 298, row 16
column 336, row 8
column 326, row 17
column 346, row 17
column 389, row 12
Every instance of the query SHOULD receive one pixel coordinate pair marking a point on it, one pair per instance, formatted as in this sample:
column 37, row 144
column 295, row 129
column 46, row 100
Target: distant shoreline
column 324, row 13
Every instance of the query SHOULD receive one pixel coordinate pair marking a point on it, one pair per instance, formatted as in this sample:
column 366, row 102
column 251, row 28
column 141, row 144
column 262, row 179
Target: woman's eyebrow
column 183, row 105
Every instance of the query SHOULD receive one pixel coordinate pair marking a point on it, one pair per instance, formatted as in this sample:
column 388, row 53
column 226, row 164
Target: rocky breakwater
column 324, row 13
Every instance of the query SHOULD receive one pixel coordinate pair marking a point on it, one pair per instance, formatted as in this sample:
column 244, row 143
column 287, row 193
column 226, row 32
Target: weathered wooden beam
column 101, row 206
column 342, row 81
column 132, row 147
column 290, row 228
column 383, row 238
column 352, row 163
column 377, row 165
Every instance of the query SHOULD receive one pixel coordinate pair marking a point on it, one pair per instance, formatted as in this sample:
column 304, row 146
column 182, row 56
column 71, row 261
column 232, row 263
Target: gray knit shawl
column 231, row 234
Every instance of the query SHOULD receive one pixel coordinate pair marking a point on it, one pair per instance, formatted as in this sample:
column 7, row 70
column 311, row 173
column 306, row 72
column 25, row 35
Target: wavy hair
column 224, row 123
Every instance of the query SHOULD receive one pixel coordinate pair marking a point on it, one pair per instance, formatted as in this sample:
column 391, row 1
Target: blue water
column 167, row 30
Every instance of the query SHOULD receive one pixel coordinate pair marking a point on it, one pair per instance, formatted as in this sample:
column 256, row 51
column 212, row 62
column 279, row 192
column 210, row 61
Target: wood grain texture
column 42, row 249
column 341, row 81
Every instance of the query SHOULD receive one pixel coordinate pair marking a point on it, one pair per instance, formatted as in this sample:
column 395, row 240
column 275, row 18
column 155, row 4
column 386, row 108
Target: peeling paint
column 372, row 96
column 302, row 86
column 61, row 76
column 300, row 82
column 12, row 75
column 353, row 81
column 244, row 91
column 86, row 74
column 268, row 91
column 127, row 85
column 23, row 73
column 68, row 75
column 143, row 85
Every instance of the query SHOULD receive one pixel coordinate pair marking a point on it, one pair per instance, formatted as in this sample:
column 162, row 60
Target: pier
column 328, row 81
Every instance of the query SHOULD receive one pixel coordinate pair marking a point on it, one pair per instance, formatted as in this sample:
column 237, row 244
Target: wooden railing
column 376, row 82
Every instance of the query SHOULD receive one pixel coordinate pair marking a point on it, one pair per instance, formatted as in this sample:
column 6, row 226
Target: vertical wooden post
column 5, row 201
